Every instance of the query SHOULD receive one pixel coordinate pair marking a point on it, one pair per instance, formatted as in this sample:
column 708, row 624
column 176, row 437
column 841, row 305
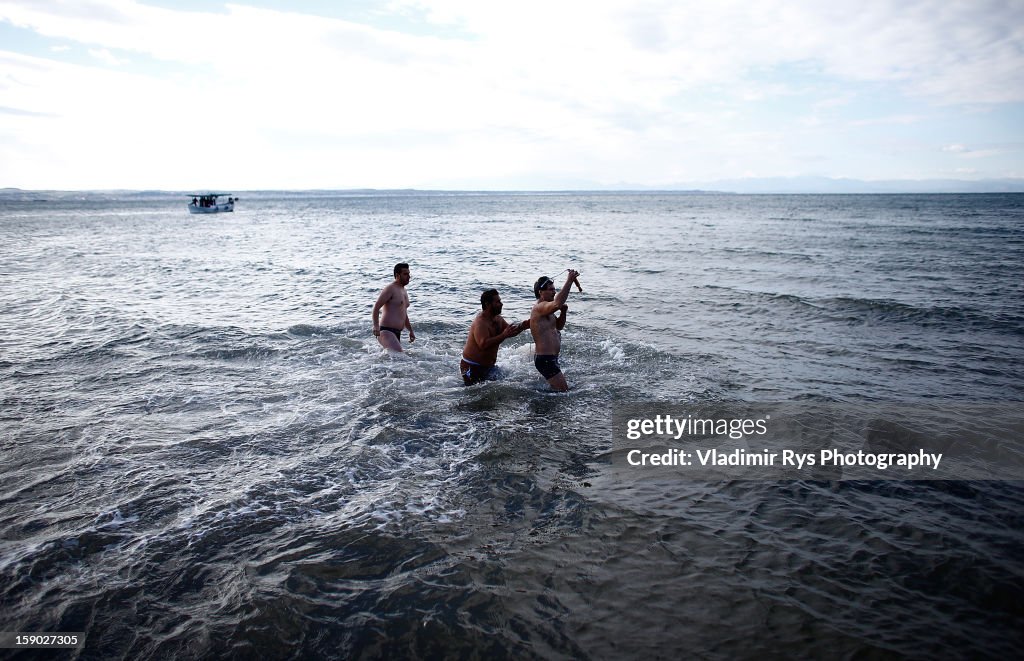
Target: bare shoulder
column 542, row 309
column 394, row 290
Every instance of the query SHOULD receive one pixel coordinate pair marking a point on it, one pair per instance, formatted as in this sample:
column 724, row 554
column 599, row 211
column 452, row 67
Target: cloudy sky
column 473, row 94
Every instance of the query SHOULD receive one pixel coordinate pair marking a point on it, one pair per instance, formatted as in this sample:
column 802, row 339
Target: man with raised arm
column 488, row 331
column 395, row 301
column 546, row 328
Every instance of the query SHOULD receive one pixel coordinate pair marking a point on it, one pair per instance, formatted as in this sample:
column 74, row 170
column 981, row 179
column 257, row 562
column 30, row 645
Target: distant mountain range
column 820, row 185
column 764, row 185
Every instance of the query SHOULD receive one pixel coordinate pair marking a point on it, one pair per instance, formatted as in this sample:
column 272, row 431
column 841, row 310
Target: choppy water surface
column 204, row 452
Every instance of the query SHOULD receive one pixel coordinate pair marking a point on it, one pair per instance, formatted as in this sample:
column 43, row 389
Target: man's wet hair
column 399, row 267
column 487, row 297
column 540, row 284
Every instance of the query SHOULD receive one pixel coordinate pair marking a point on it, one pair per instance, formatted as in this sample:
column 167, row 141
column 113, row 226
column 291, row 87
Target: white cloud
column 105, row 56
column 611, row 91
column 889, row 120
column 963, row 151
column 950, row 50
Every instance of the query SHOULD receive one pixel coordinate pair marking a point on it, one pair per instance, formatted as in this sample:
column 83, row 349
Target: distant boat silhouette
column 210, row 203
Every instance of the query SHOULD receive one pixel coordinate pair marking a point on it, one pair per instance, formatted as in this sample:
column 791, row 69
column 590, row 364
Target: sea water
column 204, row 452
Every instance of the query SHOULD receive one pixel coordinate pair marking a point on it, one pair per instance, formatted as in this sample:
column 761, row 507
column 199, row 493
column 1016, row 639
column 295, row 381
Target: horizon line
column 493, row 191
column 809, row 185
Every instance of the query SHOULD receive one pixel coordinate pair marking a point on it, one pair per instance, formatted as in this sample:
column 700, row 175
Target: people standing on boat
column 195, row 201
column 394, row 299
column 489, row 330
column 546, row 328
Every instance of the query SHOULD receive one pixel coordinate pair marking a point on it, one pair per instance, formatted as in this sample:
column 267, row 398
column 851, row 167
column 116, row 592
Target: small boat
column 211, row 203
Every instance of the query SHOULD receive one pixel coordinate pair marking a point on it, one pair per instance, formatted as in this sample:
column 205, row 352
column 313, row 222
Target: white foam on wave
column 114, row 519
column 528, row 350
column 414, row 430
column 614, row 351
column 373, row 348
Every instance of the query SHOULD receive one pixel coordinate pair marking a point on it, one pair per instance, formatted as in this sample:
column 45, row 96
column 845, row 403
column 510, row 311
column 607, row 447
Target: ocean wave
column 866, row 310
column 855, row 311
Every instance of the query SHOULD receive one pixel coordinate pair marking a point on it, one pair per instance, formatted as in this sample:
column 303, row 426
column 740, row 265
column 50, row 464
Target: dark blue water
column 205, row 453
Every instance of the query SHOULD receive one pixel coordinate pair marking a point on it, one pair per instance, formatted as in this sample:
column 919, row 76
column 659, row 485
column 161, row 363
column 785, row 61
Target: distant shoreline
column 36, row 194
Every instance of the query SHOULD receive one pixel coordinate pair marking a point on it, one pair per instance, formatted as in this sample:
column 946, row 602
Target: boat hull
column 216, row 208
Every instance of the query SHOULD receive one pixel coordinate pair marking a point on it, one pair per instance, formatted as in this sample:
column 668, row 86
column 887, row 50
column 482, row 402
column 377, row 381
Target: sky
column 540, row 95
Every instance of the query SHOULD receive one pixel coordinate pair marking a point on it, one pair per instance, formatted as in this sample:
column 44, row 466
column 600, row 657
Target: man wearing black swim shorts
column 546, row 328
column 488, row 331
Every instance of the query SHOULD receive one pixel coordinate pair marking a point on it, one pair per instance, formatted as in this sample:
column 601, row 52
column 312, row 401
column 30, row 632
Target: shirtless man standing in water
column 545, row 328
column 395, row 301
column 488, row 331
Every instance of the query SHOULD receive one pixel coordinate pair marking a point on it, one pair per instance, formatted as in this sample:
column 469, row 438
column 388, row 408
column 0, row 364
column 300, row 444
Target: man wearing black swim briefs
column 546, row 328
column 395, row 302
column 547, row 365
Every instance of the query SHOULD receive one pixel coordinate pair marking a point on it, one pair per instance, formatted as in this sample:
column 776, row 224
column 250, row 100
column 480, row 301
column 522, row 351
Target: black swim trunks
column 397, row 332
column 547, row 365
column 475, row 372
